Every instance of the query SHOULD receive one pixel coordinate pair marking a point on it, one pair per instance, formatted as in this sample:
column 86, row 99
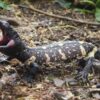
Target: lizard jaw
column 4, row 39
column 3, row 35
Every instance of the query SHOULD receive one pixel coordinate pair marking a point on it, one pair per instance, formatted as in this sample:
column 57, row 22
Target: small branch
column 49, row 28
column 65, row 26
column 58, row 16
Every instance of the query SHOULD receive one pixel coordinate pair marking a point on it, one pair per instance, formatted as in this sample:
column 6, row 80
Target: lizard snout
column 4, row 25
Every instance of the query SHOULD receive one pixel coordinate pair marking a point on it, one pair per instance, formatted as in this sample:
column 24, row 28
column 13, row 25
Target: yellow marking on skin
column 63, row 56
column 74, row 49
column 47, row 57
column 44, row 47
column 66, row 47
column 92, row 53
column 69, row 52
column 82, row 50
column 30, row 60
column 60, row 44
column 81, row 42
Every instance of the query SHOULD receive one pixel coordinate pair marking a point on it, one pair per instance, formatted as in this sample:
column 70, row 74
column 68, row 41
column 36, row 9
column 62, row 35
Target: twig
column 65, row 26
column 92, row 90
column 49, row 28
column 58, row 16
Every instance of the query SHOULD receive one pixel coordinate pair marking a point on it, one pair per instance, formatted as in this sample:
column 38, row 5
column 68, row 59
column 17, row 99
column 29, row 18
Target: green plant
column 4, row 5
column 86, row 6
column 63, row 3
column 97, row 11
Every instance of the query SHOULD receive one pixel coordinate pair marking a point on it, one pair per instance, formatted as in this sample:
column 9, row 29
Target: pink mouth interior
column 3, row 39
column 1, row 36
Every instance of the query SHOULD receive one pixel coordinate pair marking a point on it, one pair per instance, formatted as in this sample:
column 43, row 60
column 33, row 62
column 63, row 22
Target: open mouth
column 6, row 40
column 3, row 38
column 1, row 35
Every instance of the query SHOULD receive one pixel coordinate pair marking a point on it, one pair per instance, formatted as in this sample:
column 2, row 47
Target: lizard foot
column 31, row 72
column 83, row 75
column 34, row 69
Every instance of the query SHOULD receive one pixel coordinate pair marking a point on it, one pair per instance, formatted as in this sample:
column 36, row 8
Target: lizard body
column 12, row 46
column 59, row 51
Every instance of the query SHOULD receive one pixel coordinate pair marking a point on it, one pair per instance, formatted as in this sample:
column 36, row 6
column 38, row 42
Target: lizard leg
column 84, row 74
column 4, row 48
column 96, row 64
column 5, row 59
column 33, row 70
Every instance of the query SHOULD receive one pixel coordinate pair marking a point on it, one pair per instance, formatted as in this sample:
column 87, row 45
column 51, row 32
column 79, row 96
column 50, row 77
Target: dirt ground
column 38, row 29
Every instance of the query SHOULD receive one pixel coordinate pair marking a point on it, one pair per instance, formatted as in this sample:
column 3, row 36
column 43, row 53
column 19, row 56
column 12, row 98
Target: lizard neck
column 24, row 55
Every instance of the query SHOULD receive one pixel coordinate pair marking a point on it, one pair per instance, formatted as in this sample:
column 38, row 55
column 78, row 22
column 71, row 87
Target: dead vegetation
column 44, row 26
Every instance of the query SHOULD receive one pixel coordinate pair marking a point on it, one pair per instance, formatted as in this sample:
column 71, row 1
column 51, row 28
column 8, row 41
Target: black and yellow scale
column 11, row 44
column 59, row 51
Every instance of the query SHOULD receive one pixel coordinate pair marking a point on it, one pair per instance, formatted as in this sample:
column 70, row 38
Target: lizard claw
column 83, row 75
column 32, row 71
column 35, row 69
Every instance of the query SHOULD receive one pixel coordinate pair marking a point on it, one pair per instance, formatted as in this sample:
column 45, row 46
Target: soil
column 38, row 29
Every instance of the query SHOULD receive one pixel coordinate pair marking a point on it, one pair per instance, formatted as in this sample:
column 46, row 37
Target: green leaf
column 4, row 5
column 97, row 14
column 88, row 2
column 84, row 11
column 98, row 4
column 63, row 3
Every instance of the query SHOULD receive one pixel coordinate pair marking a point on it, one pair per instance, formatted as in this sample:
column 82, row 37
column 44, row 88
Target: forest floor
column 57, row 79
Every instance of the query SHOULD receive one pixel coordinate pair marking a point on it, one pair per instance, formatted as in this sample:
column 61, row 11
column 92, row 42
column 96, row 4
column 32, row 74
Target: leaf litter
column 37, row 29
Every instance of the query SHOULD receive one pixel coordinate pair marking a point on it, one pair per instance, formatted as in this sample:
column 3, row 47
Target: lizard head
column 11, row 39
column 8, row 32
column 4, row 26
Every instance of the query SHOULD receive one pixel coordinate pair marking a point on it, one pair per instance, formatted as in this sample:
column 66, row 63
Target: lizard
column 12, row 45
